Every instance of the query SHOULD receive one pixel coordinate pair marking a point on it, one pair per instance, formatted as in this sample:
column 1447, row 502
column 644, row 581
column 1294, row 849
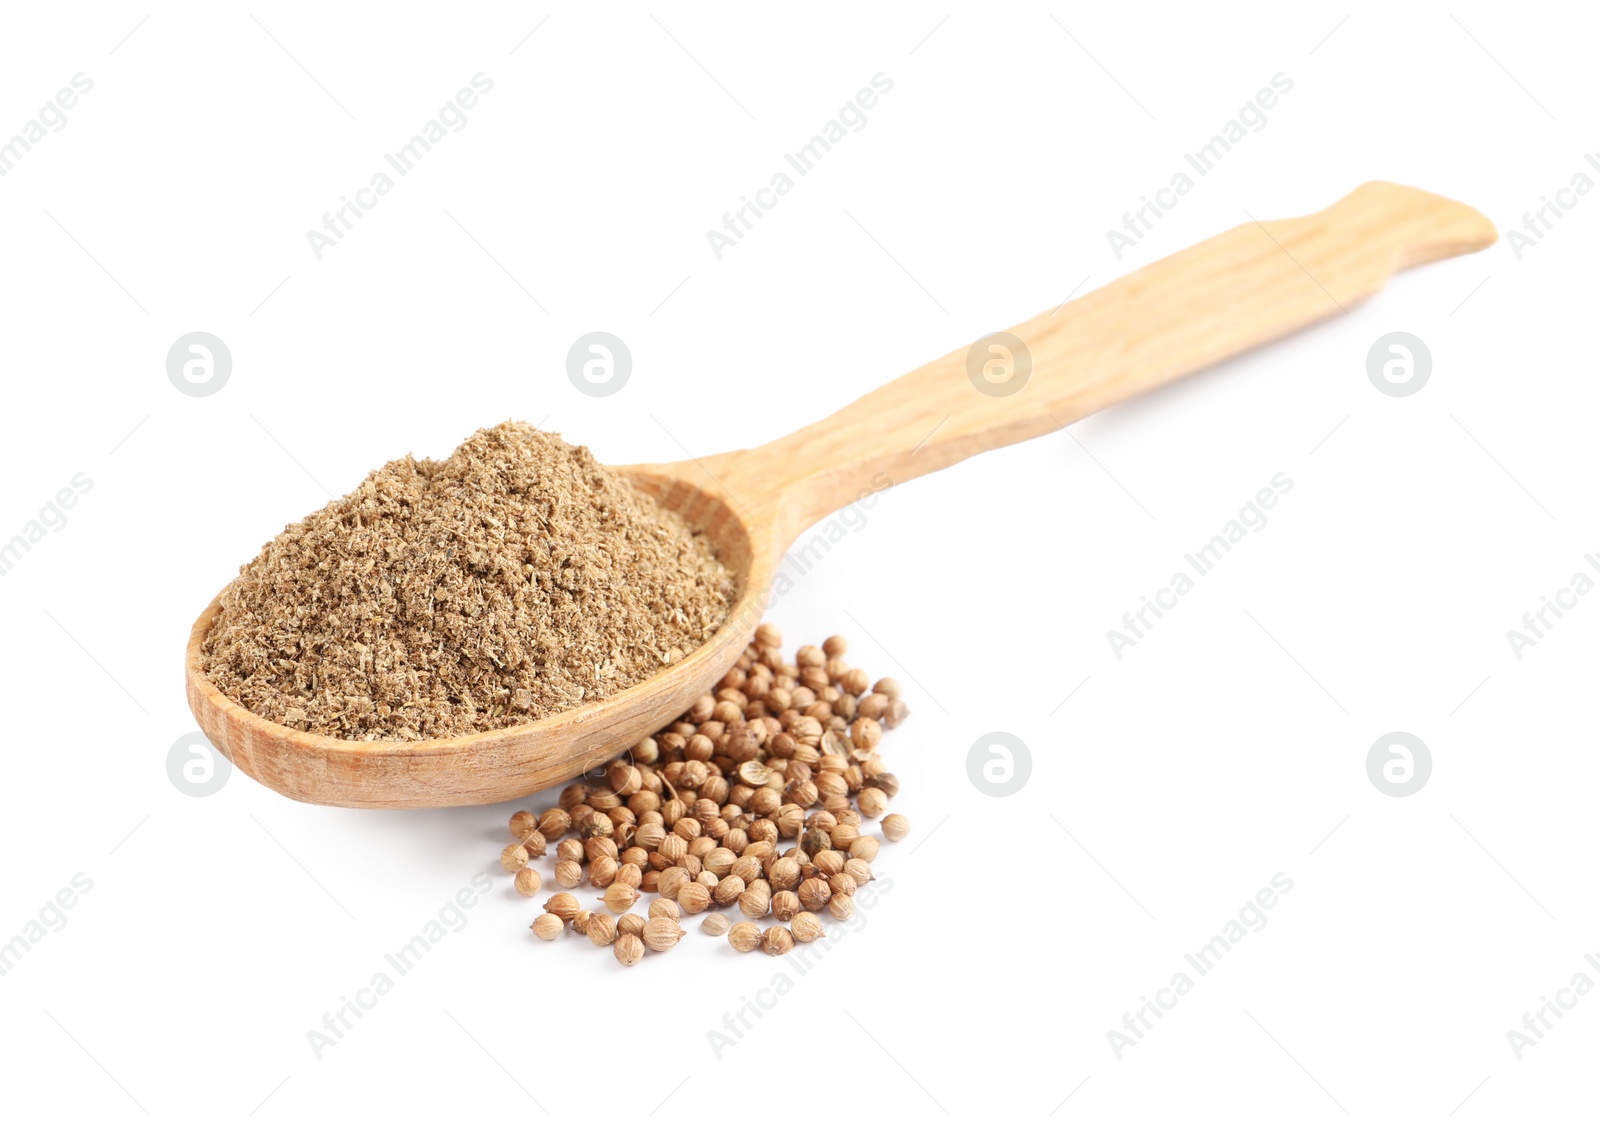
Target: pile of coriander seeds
column 751, row 802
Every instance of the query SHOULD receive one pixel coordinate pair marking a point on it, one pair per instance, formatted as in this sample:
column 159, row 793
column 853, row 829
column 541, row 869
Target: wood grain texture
column 1228, row 294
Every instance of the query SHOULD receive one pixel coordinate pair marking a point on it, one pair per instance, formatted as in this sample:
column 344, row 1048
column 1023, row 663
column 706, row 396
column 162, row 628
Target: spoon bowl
column 499, row 764
column 1228, row 294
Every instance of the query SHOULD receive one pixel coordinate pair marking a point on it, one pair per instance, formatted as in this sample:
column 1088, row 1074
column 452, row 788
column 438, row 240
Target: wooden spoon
column 1235, row 291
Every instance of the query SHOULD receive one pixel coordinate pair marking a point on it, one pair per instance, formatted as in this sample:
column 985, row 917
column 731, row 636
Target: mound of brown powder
column 516, row 579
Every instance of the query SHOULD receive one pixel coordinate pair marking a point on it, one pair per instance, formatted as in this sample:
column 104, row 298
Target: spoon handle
column 1221, row 297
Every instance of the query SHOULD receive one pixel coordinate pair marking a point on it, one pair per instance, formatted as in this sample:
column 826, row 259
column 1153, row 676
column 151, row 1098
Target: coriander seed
column 715, row 923
column 671, row 880
column 872, row 706
column 785, row 874
column 554, row 823
column 859, row 871
column 815, row 893
column 864, row 848
column 620, row 897
column 528, row 882
column 744, row 936
column 602, row 929
column 829, row 861
column 785, row 905
column 563, row 904
column 867, row 733
column 895, row 714
column 719, row 861
column 842, row 906
column 694, row 897
column 569, row 873
column 727, row 892
column 662, row 906
column 756, row 902
column 548, row 926
column 514, row 858
column 806, row 927
column 631, row 924
column 625, row 779
column 523, row 823
column 777, row 941
column 662, row 933
column 814, row 841
column 896, row 827
column 628, row 949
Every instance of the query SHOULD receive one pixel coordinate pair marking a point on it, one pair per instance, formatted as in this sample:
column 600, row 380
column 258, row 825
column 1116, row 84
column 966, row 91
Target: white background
column 1227, row 747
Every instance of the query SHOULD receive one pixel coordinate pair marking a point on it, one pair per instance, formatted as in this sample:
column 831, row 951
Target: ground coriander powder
column 514, row 580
